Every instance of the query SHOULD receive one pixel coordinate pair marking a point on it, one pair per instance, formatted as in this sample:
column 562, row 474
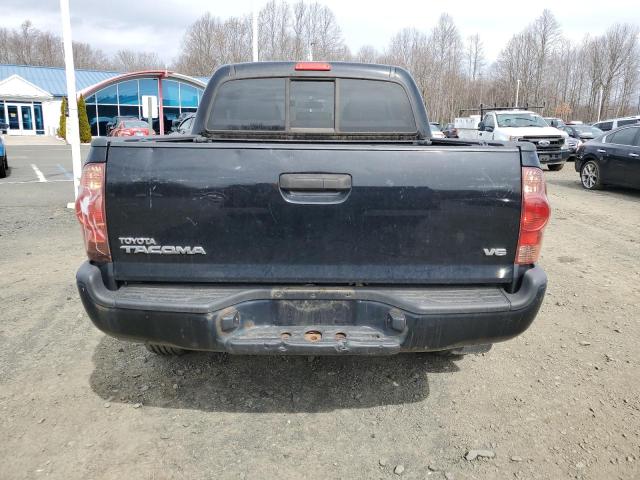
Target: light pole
column 600, row 103
column 73, row 134
column 311, row 47
column 254, row 24
column 517, row 93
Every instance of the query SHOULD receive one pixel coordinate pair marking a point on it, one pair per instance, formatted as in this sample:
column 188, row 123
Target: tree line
column 28, row 45
column 572, row 80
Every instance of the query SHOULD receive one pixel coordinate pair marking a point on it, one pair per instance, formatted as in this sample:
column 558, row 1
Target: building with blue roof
column 31, row 97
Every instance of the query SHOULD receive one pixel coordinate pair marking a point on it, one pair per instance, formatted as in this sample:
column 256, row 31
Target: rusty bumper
column 311, row 320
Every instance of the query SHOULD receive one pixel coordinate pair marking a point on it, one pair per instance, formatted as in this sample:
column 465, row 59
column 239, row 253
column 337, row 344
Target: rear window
column 626, row 136
column 253, row 104
column 629, row 121
column 374, row 106
column 135, row 124
column 332, row 105
column 311, row 104
column 604, row 126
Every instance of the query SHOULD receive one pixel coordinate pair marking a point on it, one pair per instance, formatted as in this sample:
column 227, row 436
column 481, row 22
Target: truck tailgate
column 298, row 214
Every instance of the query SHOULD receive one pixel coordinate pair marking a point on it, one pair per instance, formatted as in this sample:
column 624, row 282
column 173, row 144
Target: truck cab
column 526, row 126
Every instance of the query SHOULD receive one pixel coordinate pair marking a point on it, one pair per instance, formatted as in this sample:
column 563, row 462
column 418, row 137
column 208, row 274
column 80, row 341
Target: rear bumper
column 311, row 320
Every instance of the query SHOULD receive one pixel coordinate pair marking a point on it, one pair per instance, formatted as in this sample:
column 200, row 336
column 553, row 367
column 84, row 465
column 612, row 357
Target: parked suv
column 607, row 125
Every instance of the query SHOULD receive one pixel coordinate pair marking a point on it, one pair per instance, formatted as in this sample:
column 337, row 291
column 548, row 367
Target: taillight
column 534, row 217
column 90, row 211
column 314, row 66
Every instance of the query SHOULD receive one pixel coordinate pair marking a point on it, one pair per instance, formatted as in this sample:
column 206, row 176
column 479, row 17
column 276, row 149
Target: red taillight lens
column 314, row 66
column 534, row 217
column 90, row 211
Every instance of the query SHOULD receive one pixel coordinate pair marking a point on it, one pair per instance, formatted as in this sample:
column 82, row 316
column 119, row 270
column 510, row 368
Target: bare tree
column 30, row 46
column 568, row 77
column 85, row 56
column 210, row 42
column 131, row 61
column 367, row 54
column 546, row 33
column 315, row 31
column 276, row 41
column 5, row 53
column 474, row 56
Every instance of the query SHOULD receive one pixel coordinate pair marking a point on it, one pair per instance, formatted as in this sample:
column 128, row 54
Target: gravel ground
column 561, row 401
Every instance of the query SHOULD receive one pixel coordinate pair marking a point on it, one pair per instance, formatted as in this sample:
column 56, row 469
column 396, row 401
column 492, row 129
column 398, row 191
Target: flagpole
column 73, row 134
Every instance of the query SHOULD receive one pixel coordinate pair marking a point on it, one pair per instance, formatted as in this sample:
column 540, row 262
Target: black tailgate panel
column 413, row 214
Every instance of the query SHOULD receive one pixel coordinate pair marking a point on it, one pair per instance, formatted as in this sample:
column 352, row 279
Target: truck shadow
column 127, row 373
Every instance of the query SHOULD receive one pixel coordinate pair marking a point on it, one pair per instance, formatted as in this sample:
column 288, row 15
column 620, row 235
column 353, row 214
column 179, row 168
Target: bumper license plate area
column 548, row 157
column 314, row 312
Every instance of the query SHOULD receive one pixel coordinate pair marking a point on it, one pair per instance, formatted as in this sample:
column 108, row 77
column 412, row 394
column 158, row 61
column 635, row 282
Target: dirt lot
column 561, row 401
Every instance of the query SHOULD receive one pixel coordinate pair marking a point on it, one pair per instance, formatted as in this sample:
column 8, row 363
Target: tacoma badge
column 149, row 246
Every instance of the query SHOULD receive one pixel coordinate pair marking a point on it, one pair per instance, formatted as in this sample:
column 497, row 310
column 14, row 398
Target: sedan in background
column 582, row 132
column 435, row 131
column 573, row 144
column 131, row 128
column 611, row 159
column 450, row 131
column 113, row 121
column 578, row 134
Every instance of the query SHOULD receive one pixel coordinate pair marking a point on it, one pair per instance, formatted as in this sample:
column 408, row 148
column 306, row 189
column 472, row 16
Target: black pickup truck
column 312, row 213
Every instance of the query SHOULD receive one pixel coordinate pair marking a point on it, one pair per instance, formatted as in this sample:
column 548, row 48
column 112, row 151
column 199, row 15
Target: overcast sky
column 158, row 25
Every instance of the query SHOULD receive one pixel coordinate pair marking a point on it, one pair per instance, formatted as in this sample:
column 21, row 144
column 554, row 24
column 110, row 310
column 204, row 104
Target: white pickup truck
column 518, row 126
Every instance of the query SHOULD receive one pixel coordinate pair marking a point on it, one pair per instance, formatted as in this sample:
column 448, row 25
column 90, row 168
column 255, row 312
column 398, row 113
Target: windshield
column 520, row 120
column 134, row 124
column 587, row 129
column 434, row 128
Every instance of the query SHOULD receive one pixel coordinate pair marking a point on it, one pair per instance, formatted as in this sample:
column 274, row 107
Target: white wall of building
column 18, row 91
column 51, row 116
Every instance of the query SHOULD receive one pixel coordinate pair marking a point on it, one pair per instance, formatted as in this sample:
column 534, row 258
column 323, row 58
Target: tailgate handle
column 315, row 182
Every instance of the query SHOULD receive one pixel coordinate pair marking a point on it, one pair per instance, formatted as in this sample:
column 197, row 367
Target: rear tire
column 165, row 350
column 4, row 166
column 555, row 168
column 590, row 175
